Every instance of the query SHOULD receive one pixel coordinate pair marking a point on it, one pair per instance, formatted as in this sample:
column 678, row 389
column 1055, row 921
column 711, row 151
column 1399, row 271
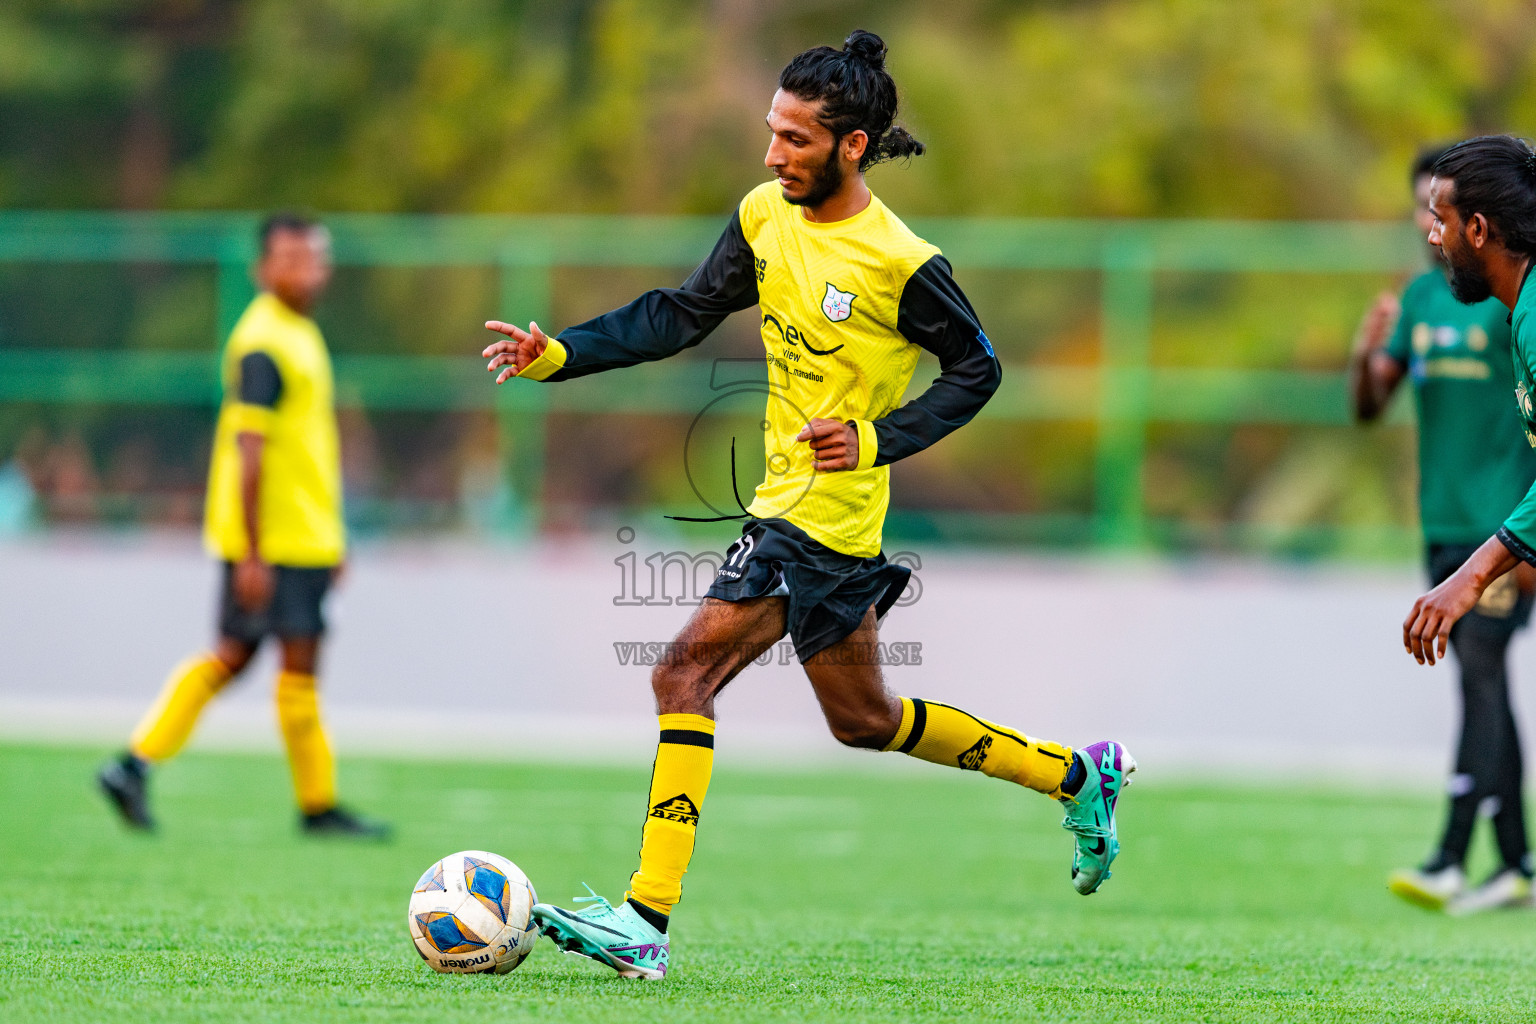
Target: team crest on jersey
column 838, row 306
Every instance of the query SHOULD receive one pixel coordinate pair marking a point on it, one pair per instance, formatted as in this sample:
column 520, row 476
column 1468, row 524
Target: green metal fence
column 1124, row 392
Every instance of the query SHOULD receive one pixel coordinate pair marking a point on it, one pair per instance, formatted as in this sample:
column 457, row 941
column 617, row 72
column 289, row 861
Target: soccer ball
column 470, row 914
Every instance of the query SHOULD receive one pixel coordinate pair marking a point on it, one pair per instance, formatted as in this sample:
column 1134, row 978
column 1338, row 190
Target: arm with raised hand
column 1377, row 361
column 660, row 323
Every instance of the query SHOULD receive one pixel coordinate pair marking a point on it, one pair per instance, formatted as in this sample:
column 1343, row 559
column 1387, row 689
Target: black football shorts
column 828, row 592
column 295, row 611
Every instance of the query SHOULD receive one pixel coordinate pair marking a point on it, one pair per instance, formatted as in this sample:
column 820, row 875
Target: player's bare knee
column 301, row 655
column 234, row 654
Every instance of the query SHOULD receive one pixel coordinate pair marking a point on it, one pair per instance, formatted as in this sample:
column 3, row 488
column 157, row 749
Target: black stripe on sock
column 919, row 723
column 688, row 737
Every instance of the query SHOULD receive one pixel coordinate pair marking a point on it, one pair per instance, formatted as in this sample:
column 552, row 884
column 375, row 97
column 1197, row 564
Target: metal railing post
column 234, row 288
column 1119, row 513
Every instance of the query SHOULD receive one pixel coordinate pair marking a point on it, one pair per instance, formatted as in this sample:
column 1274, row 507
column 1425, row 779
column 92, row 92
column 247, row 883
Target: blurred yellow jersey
column 300, row 519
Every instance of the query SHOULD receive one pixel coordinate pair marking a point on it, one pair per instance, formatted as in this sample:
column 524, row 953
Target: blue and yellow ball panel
column 432, row 880
column 490, row 886
column 448, row 934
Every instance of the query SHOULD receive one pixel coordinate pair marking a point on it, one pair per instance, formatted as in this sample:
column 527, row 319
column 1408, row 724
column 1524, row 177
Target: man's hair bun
column 867, row 47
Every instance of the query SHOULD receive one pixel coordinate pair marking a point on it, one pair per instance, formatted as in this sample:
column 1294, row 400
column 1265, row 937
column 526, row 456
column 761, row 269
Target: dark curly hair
column 284, row 220
column 856, row 93
column 1495, row 175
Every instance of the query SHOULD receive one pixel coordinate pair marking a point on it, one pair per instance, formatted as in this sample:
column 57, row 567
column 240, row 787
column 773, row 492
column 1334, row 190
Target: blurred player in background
column 849, row 297
column 273, row 518
column 1474, row 467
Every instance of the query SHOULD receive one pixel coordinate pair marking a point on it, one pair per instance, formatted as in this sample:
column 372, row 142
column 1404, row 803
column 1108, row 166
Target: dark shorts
column 828, row 592
column 1502, row 607
column 296, row 609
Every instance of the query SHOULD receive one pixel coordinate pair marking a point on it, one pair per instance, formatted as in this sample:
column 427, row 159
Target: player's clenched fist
column 834, row 445
column 515, row 355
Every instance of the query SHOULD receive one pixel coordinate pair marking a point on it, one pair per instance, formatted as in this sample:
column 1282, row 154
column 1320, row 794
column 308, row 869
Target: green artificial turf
column 908, row 895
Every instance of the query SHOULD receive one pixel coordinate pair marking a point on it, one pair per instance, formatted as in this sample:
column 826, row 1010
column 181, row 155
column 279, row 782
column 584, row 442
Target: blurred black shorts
column 296, row 609
column 829, row 592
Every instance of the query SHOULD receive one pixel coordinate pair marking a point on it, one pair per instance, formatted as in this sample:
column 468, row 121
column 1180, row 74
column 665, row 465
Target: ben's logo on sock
column 976, row 756
column 679, row 809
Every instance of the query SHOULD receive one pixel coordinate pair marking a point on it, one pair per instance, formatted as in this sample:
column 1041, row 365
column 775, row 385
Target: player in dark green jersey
column 1474, row 466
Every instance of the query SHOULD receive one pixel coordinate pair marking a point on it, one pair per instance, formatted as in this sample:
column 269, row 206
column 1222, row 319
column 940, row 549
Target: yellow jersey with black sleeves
column 846, row 306
column 277, row 383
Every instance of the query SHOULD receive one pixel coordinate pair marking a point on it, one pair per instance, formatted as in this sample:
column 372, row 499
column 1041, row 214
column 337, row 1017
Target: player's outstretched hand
column 515, row 355
column 1428, row 626
column 834, row 444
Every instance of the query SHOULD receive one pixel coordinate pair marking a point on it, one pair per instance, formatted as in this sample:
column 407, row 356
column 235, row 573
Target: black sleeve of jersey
column 260, row 382
column 664, row 321
column 935, row 314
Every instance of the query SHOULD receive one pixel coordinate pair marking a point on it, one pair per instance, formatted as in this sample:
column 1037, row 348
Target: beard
column 825, row 182
column 1469, row 284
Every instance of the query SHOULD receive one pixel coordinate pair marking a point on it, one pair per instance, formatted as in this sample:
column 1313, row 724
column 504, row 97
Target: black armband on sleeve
column 664, row 321
column 935, row 314
column 260, row 381
column 1517, row 547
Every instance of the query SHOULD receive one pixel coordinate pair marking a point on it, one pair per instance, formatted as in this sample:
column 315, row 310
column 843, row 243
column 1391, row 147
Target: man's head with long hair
column 847, row 110
column 1483, row 198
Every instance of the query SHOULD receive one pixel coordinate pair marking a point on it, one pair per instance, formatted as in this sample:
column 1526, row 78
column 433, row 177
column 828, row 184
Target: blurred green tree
column 1285, row 109
column 1267, row 108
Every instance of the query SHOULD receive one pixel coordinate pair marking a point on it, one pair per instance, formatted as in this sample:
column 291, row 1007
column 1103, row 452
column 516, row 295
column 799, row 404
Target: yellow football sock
column 309, row 750
column 947, row 735
column 168, row 723
column 684, row 758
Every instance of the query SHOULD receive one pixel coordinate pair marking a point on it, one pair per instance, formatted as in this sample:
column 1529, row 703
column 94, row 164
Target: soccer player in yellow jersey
column 273, row 518
column 848, row 297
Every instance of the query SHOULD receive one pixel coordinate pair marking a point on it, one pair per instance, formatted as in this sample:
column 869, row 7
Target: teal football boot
column 616, row 936
column 1091, row 813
